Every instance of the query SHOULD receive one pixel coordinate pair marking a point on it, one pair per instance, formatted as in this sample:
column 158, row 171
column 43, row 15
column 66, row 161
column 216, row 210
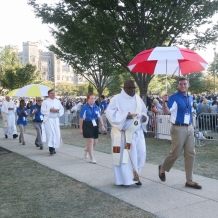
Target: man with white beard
column 52, row 109
column 8, row 112
column 127, row 114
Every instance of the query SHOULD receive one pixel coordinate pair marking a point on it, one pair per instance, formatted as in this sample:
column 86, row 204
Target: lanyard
column 92, row 112
column 186, row 102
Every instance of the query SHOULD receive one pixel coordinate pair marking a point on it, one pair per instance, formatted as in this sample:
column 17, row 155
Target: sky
column 18, row 24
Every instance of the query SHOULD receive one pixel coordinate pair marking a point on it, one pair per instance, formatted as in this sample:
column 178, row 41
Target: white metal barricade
column 163, row 126
column 64, row 119
column 206, row 127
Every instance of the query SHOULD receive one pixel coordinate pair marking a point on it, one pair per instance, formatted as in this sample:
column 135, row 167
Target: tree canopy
column 19, row 77
column 9, row 60
column 13, row 74
column 118, row 30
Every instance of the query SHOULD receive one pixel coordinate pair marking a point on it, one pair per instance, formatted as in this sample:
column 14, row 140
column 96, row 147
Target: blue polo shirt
column 180, row 105
column 89, row 113
column 38, row 116
column 22, row 119
column 103, row 105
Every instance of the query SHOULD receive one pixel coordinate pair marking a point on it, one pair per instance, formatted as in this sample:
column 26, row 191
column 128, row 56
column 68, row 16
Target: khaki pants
column 21, row 136
column 182, row 138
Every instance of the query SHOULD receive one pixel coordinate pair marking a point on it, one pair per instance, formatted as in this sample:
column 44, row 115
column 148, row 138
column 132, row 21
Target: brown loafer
column 162, row 176
column 194, row 185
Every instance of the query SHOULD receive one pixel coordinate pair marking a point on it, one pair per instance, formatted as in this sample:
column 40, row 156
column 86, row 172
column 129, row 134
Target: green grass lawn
column 30, row 190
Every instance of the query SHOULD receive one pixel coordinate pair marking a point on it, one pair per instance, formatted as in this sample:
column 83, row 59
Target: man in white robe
column 52, row 109
column 120, row 113
column 8, row 112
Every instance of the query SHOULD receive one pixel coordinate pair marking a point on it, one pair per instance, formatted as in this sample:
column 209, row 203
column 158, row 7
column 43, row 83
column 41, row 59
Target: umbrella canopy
column 167, row 60
column 33, row 90
column 13, row 93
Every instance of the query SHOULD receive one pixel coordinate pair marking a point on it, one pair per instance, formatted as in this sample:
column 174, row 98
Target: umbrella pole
column 166, row 76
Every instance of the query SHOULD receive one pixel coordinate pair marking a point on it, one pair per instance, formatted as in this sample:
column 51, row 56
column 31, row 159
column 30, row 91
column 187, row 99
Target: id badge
column 24, row 118
column 41, row 117
column 94, row 123
column 187, row 119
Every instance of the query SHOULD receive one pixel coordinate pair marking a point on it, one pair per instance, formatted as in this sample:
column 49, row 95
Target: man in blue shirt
column 179, row 105
column 103, row 106
column 35, row 112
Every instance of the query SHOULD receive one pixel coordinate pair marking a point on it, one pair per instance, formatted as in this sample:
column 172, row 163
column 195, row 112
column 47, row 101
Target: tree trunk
column 143, row 82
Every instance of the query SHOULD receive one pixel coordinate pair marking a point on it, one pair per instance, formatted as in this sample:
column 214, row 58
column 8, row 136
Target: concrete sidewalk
column 164, row 199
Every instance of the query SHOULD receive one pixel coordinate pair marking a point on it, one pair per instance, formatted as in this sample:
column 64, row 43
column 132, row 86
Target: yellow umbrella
column 33, row 90
column 13, row 93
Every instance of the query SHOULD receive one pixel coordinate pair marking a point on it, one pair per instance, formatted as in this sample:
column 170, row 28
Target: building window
column 58, row 69
column 58, row 77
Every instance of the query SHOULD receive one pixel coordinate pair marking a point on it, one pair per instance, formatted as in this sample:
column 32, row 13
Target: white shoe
column 86, row 154
column 93, row 161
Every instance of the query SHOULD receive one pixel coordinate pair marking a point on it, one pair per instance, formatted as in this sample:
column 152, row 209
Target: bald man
column 8, row 112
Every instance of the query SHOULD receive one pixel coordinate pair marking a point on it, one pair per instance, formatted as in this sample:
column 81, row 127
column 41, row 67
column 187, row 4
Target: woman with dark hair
column 21, row 121
column 90, row 115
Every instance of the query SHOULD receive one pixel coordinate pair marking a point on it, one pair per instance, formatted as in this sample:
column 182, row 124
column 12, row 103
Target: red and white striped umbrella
column 167, row 60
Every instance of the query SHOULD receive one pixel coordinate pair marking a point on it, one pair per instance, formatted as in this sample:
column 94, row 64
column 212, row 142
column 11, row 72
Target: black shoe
column 15, row 136
column 37, row 145
column 162, row 176
column 6, row 136
column 41, row 147
column 105, row 133
column 53, row 152
column 138, row 183
column 99, row 133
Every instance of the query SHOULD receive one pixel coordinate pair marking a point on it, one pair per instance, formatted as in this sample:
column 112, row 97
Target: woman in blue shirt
column 90, row 114
column 21, row 121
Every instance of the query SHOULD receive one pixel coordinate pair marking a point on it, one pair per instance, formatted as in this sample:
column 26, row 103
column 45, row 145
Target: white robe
column 116, row 114
column 9, row 128
column 51, row 122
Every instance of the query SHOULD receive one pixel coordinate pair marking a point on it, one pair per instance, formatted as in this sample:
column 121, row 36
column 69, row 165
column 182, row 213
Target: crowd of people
column 128, row 116
column 205, row 103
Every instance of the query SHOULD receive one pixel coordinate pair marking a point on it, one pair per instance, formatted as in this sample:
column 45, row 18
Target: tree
column 48, row 83
column 121, row 29
column 81, row 90
column 19, row 77
column 98, row 70
column 200, row 82
column 64, row 89
column 117, row 85
column 90, row 88
column 9, row 60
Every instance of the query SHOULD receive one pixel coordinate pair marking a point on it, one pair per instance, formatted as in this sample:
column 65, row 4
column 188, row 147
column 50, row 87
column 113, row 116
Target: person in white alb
column 52, row 109
column 127, row 114
column 8, row 111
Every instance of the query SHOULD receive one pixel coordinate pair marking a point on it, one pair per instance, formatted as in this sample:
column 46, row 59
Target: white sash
column 128, row 135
